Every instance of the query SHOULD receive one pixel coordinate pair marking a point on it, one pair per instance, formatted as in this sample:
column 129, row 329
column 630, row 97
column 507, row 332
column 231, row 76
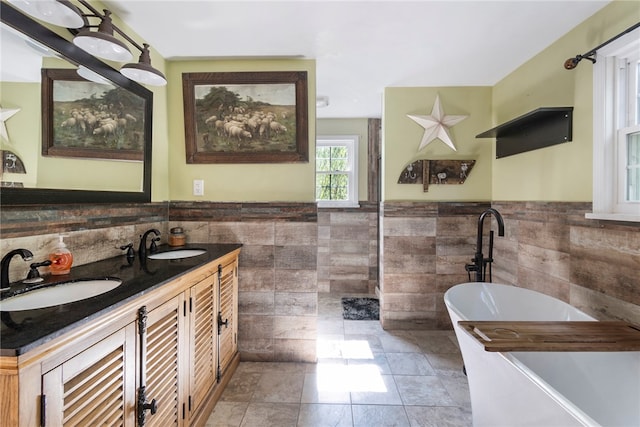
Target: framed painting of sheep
column 82, row 118
column 246, row 117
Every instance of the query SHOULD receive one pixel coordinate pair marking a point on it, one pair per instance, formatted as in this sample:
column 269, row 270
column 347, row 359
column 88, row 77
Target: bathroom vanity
column 156, row 351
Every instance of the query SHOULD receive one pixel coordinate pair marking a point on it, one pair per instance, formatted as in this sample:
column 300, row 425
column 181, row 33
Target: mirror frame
column 31, row 196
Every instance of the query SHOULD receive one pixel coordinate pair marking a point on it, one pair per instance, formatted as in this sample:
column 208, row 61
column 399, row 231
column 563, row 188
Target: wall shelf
column 539, row 128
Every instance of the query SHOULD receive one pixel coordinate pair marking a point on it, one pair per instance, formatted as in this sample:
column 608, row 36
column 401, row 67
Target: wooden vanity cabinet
column 93, row 387
column 162, row 350
column 228, row 318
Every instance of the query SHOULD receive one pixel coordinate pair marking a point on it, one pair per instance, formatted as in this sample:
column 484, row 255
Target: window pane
column 633, row 167
column 332, row 187
column 637, row 87
column 332, row 158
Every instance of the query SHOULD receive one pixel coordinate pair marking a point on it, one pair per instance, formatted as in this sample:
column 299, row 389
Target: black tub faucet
column 4, row 266
column 142, row 250
column 480, row 263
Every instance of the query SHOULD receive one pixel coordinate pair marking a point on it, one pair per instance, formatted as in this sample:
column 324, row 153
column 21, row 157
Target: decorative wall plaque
column 436, row 172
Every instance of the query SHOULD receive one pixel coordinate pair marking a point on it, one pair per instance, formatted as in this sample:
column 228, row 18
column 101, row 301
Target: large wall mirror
column 58, row 146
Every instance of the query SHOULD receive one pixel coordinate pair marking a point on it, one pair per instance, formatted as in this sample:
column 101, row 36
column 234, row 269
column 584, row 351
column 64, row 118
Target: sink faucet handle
column 153, row 248
column 129, row 248
column 34, row 275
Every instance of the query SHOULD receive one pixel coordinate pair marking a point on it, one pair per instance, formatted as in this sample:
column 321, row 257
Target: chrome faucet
column 480, row 263
column 142, row 250
column 4, row 266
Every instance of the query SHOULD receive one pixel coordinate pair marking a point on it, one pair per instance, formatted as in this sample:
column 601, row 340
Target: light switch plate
column 198, row 187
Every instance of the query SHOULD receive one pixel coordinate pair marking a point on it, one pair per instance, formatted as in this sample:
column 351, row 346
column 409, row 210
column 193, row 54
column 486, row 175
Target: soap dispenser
column 61, row 258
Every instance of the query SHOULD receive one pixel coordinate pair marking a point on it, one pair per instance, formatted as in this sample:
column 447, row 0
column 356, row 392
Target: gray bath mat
column 360, row 309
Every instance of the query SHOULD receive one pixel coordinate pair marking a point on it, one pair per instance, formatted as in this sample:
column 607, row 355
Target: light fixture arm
column 572, row 63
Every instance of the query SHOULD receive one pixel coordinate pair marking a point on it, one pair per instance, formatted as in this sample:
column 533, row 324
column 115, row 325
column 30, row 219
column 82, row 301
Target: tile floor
column 365, row 377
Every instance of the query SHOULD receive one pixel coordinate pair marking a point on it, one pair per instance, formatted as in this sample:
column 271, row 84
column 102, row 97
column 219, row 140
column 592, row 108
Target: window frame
column 351, row 142
column 611, row 113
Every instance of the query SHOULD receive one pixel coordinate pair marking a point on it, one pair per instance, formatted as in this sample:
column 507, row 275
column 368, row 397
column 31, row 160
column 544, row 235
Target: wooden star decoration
column 436, row 125
column 5, row 114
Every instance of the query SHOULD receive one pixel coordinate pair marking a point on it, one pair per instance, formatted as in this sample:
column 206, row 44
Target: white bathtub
column 541, row 389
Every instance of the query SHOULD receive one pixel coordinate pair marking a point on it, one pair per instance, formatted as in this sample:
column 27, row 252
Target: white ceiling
column 361, row 47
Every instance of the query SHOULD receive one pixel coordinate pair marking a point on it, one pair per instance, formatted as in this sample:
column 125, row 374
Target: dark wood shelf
column 539, row 128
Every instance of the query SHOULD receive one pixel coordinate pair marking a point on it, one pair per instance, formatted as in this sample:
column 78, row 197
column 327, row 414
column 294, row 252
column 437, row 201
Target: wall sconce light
column 101, row 43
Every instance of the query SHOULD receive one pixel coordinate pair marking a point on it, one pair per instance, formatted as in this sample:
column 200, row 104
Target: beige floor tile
column 379, row 416
column 437, row 416
column 371, row 388
column 422, row 391
column 363, row 377
column 323, row 387
column 322, row 415
column 409, row 364
column 271, row 415
column 241, row 386
column 279, row 387
column 227, row 414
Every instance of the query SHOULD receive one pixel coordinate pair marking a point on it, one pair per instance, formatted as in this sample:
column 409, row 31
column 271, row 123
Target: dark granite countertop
column 21, row 331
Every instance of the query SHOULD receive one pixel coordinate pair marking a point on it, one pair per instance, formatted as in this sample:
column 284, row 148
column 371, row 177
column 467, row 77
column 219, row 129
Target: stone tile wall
column 551, row 247
column 348, row 249
column 288, row 257
column 94, row 232
column 424, row 249
column 548, row 247
column 278, row 286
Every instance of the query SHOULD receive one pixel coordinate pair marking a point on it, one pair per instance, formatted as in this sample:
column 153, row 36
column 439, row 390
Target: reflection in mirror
column 76, row 139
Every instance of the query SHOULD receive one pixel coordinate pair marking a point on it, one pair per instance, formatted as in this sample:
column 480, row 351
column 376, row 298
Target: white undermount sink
column 177, row 254
column 61, row 293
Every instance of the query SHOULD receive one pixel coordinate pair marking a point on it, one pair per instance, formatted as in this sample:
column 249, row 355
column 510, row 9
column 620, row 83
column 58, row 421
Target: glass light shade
column 91, row 75
column 102, row 45
column 56, row 12
column 143, row 74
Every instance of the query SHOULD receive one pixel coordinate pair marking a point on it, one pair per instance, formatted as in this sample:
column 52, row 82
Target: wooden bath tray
column 554, row 336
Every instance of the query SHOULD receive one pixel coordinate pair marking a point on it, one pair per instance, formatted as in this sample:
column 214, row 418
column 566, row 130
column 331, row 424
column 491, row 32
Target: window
column 337, row 171
column 616, row 130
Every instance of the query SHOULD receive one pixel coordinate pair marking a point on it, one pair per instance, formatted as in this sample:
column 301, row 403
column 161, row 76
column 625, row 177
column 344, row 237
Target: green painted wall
column 360, row 127
column 402, row 137
column 236, row 182
column 562, row 172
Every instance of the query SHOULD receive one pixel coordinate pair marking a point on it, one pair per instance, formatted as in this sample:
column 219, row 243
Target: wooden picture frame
column 81, row 118
column 246, row 117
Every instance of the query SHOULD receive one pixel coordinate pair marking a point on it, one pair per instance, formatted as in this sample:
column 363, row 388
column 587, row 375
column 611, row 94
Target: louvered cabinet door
column 203, row 341
column 161, row 367
column 94, row 388
column 229, row 314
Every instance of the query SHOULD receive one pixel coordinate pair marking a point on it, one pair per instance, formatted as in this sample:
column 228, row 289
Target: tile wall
column 548, row 246
column 423, row 252
column 278, row 287
column 348, row 249
column 292, row 251
column 94, row 232
column 551, row 247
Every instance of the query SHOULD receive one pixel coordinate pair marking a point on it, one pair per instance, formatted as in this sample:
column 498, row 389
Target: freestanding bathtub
column 541, row 389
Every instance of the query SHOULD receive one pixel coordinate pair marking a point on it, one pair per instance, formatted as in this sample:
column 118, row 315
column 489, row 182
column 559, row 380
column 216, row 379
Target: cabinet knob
column 144, row 406
column 153, row 406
